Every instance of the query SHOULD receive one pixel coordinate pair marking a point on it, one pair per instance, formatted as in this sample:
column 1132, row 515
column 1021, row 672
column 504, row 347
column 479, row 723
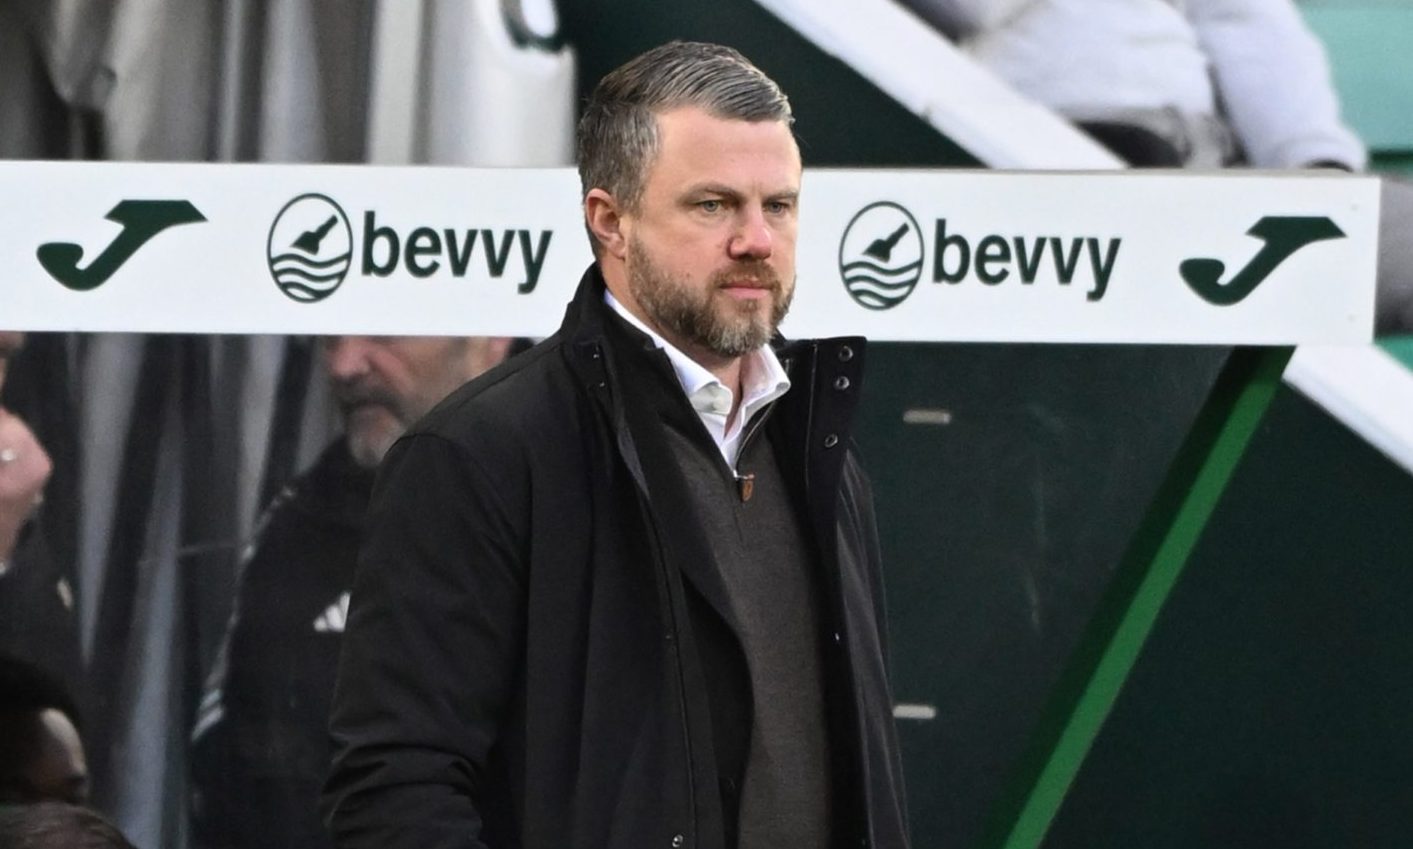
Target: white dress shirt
column 763, row 380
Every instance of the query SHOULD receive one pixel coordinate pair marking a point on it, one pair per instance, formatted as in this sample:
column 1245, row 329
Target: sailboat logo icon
column 880, row 256
column 310, row 248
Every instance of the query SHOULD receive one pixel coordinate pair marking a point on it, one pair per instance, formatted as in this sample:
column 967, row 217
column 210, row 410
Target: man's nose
column 346, row 357
column 753, row 238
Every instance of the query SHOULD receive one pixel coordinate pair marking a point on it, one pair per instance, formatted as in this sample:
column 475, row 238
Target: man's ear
column 605, row 220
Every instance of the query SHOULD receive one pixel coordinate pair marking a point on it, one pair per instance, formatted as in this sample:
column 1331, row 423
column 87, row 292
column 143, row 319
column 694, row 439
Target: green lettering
column 992, row 251
column 459, row 256
column 1028, row 264
column 372, row 234
column 1103, row 269
column 423, row 242
column 534, row 259
column 496, row 257
column 944, row 243
column 1065, row 265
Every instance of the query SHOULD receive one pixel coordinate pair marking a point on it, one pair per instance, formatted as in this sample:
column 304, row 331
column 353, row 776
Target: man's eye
column 777, row 207
column 709, row 206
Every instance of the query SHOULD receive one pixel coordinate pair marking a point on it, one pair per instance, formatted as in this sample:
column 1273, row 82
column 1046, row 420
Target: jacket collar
column 815, row 417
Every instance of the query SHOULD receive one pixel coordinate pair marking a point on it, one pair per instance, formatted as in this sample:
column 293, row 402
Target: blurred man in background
column 260, row 744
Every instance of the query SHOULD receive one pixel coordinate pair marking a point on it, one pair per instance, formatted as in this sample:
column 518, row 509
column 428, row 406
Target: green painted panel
column 1136, row 595
column 1009, row 480
column 1400, row 347
column 1271, row 705
column 1370, row 45
column 1391, row 163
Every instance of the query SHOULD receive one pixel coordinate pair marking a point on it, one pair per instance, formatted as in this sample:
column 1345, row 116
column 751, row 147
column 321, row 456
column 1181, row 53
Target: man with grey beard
column 260, row 746
column 624, row 590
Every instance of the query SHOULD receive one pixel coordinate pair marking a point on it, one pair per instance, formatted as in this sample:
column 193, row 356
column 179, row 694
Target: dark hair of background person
column 57, row 825
column 25, row 691
column 26, row 687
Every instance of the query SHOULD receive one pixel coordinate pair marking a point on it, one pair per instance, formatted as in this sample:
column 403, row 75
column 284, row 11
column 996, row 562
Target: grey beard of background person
column 385, row 383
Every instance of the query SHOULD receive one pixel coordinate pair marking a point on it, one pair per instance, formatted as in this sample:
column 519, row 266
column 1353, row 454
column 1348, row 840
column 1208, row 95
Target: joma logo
column 140, row 220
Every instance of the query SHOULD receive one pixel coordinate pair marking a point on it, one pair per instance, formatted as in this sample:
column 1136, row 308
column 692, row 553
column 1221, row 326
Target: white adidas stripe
column 332, row 620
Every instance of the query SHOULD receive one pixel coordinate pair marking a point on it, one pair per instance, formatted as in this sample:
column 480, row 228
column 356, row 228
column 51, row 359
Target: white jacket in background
column 1088, row 58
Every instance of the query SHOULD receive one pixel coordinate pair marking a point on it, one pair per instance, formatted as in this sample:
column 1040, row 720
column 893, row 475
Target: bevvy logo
column 312, row 248
column 309, row 248
column 883, row 255
column 880, row 256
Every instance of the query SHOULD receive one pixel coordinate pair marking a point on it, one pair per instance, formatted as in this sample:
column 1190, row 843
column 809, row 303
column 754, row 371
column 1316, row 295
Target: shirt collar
column 763, row 378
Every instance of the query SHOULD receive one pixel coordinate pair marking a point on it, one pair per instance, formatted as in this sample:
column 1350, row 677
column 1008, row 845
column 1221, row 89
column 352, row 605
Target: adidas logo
column 331, row 621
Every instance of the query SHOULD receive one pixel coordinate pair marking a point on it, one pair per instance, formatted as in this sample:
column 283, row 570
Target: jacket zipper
column 631, row 460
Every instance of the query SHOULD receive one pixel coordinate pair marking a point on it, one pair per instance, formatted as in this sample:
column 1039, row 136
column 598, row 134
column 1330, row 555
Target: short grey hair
column 618, row 135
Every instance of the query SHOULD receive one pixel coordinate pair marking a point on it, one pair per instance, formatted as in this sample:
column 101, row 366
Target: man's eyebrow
column 727, row 191
column 710, row 189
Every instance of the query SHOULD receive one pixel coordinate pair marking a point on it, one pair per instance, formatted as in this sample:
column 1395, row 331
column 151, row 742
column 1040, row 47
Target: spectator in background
column 260, row 746
column 54, row 825
column 41, row 755
column 38, row 617
column 1197, row 83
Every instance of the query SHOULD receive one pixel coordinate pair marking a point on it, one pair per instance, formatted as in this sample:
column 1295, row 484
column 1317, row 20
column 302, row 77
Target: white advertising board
column 923, row 255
